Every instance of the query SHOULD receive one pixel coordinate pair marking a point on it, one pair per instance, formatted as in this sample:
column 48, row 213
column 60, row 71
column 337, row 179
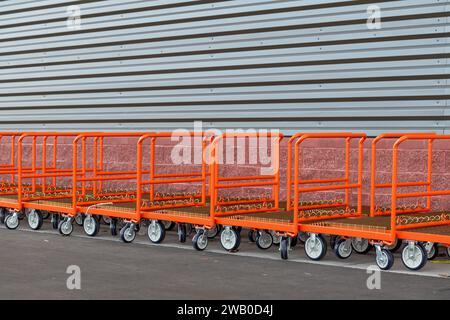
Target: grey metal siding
column 310, row 65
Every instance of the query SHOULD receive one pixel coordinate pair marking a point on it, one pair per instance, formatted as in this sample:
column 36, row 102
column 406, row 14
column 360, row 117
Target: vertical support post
column 347, row 171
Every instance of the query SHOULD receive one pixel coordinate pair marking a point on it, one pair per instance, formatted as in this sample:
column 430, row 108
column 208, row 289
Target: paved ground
column 34, row 265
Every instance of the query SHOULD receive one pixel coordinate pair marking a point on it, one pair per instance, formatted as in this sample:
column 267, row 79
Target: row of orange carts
column 217, row 185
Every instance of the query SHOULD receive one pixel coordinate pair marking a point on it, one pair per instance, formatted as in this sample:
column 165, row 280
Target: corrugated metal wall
column 162, row 64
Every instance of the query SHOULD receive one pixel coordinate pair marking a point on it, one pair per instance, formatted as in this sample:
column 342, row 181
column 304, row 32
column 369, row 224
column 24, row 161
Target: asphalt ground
column 34, row 265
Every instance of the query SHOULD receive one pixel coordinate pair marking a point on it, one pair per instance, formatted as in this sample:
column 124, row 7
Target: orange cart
column 188, row 207
column 44, row 172
column 9, row 205
column 260, row 211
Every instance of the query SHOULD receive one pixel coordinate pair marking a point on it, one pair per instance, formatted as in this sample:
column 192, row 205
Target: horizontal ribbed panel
column 161, row 65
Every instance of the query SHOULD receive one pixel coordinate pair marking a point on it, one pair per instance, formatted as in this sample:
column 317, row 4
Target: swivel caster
column 361, row 245
column 79, row 218
column 252, row 235
column 12, row 221
column 212, row 233
column 65, row 227
column 182, row 232
column 315, row 247
column 128, row 233
column 91, row 225
column 414, row 256
column 106, row 220
column 156, row 231
column 384, row 258
column 35, row 219
column 343, row 248
column 264, row 240
column 200, row 240
column 432, row 250
column 55, row 221
column 230, row 239
column 284, row 248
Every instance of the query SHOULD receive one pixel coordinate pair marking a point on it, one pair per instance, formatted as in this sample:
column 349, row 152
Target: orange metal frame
column 219, row 182
column 374, row 211
column 40, row 188
column 9, row 171
column 89, row 179
column 404, row 231
column 158, row 206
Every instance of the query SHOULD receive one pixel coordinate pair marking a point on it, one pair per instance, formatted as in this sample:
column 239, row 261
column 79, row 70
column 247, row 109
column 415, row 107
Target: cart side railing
column 8, row 169
column 417, row 220
column 376, row 210
column 344, row 183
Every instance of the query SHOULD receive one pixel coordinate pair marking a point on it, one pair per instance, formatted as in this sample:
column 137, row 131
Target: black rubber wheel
column 230, row 239
column 361, row 246
column 284, row 248
column 396, row 246
column 156, row 232
column 417, row 260
column 200, row 241
column 35, row 219
column 12, row 222
column 333, row 240
column 105, row 220
column 264, row 240
column 433, row 253
column 55, row 221
column 385, row 260
column 302, row 236
column 343, row 249
column 294, row 241
column 45, row 215
column 169, row 225
column 316, row 250
column 91, row 225
column 65, row 228
column 252, row 235
column 2, row 215
column 182, row 233
column 128, row 233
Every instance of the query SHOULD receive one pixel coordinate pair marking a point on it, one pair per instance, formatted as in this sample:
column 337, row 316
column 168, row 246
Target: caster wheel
column 200, row 241
column 384, row 259
column 302, row 237
column 106, row 220
column 35, row 219
column 91, row 225
column 343, row 248
column 182, row 233
column 252, row 235
column 12, row 221
column 230, row 239
column 113, row 227
column 65, row 227
column 432, row 250
column 128, row 233
column 361, row 246
column 284, row 248
column 156, row 231
column 315, row 247
column 55, row 221
column 264, row 240
column 414, row 256
column 396, row 246
column 168, row 225
column 2, row 215
column 45, row 215
column 212, row 233
column 79, row 218
column 276, row 238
